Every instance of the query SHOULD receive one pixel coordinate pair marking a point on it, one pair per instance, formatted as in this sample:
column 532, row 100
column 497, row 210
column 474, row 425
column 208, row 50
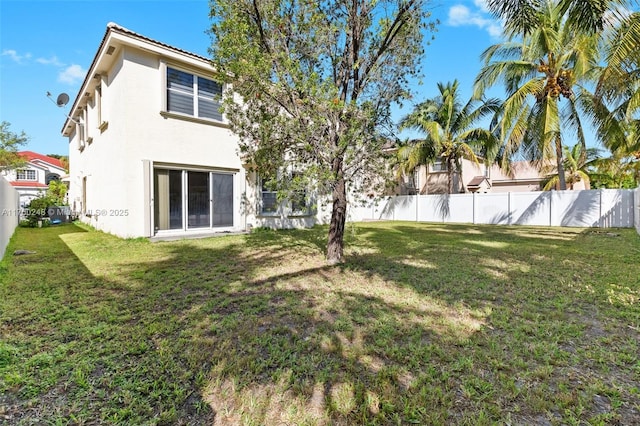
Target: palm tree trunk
column 560, row 164
column 450, row 175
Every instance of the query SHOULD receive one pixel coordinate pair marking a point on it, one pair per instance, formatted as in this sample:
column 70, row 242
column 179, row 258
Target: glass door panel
column 167, row 208
column 222, row 199
column 199, row 204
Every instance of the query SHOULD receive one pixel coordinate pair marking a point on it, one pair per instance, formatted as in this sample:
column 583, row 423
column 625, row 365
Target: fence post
column 600, row 218
column 473, row 216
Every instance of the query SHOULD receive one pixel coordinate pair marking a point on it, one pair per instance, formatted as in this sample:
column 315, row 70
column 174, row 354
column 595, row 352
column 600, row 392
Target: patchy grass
column 424, row 324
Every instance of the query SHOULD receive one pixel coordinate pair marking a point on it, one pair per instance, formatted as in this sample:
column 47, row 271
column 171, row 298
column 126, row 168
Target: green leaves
column 10, row 142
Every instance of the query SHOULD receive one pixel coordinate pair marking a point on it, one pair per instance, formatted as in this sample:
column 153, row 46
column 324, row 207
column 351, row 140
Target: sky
column 48, row 45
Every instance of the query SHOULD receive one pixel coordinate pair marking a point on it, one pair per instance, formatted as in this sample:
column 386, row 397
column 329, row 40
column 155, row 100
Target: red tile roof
column 28, row 184
column 31, row 156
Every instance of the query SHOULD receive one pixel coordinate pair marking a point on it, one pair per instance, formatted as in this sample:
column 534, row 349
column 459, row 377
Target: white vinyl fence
column 637, row 217
column 604, row 208
column 9, row 213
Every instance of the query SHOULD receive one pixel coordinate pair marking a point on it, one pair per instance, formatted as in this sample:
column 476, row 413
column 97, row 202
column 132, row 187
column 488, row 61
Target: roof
column 34, row 156
column 112, row 31
column 477, row 181
column 28, row 184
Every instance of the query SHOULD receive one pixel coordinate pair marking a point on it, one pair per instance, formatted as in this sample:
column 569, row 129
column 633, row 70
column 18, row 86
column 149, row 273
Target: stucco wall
column 9, row 213
column 113, row 163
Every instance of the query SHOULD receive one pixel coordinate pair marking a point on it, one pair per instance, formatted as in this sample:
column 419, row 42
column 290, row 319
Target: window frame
column 439, row 166
column 287, row 206
column 26, row 178
column 195, row 95
column 261, row 203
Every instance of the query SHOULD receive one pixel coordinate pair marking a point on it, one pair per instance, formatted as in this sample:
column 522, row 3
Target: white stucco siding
column 137, row 132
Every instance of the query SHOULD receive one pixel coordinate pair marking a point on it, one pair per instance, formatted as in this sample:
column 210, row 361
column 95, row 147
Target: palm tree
column 588, row 16
column 620, row 170
column 616, row 102
column 449, row 133
column 579, row 162
column 618, row 84
column 541, row 67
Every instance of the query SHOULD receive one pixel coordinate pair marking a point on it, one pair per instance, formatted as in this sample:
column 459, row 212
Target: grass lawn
column 423, row 324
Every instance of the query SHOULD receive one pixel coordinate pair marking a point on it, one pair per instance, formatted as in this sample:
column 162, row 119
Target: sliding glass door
column 188, row 199
column 199, row 204
column 168, row 199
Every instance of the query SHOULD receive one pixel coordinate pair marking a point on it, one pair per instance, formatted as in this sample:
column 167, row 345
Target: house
column 433, row 179
column 150, row 153
column 33, row 179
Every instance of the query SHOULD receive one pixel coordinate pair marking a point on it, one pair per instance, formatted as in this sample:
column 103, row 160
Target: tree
column 64, row 159
column 9, row 144
column 616, row 102
column 545, row 59
column 579, row 163
column 521, row 17
column 450, row 135
column 313, row 85
column 620, row 170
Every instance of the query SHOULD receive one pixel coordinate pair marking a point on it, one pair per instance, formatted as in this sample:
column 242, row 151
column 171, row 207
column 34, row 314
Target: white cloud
column 460, row 15
column 15, row 56
column 50, row 61
column 72, row 74
column 482, row 5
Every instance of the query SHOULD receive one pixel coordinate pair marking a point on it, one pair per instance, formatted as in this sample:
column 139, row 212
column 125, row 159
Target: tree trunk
column 450, row 169
column 335, row 244
column 560, row 164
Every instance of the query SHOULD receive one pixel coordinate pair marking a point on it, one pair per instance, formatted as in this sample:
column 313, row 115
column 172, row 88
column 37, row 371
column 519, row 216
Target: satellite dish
column 62, row 100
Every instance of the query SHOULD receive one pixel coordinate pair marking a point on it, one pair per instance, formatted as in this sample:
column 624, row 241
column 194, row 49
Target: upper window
column 193, row 95
column 439, row 166
column 26, row 174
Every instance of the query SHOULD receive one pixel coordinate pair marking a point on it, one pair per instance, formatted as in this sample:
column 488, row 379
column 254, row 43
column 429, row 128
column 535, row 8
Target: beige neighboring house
column 150, row 153
column 33, row 179
column 476, row 178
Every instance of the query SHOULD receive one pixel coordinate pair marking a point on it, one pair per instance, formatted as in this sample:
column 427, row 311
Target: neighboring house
column 150, row 153
column 476, row 178
column 33, row 179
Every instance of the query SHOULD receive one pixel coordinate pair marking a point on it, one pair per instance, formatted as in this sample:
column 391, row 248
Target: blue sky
column 47, row 46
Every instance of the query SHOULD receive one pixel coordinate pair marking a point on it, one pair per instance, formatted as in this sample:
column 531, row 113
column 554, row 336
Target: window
column 297, row 204
column 439, row 166
column 51, row 177
column 26, row 174
column 193, row 95
column 268, row 198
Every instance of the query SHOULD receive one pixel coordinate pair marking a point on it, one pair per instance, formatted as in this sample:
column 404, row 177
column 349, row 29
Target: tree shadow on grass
column 259, row 330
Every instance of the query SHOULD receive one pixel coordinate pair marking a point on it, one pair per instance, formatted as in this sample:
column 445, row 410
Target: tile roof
column 28, row 184
column 31, row 156
column 476, row 181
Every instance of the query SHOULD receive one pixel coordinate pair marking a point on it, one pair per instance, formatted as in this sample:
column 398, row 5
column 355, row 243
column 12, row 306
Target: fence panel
column 460, row 209
column 9, row 213
column 530, row 208
column 617, row 208
column 636, row 216
column 605, row 208
column 492, row 209
column 575, row 208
